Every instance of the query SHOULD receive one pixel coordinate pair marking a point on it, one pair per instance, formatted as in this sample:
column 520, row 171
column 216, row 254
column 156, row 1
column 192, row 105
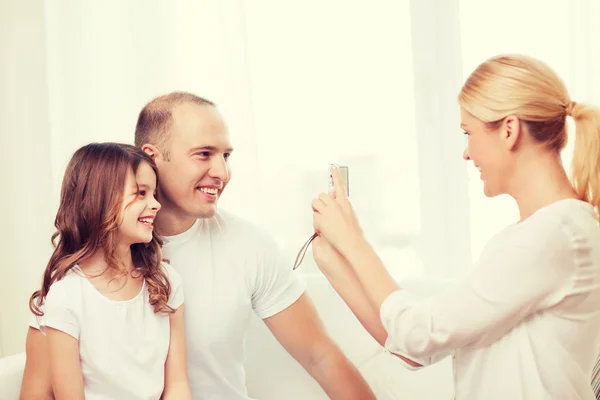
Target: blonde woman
column 524, row 324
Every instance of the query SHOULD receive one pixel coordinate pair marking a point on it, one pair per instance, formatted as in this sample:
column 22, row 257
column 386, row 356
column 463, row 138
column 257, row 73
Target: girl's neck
column 110, row 281
column 97, row 263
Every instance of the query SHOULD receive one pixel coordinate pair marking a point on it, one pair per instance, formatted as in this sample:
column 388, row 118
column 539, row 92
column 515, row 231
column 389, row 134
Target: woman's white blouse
column 526, row 323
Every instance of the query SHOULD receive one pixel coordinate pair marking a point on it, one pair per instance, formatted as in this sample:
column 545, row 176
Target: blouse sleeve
column 516, row 276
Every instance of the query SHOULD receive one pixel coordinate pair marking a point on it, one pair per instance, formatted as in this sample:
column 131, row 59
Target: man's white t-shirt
column 123, row 345
column 525, row 324
column 229, row 269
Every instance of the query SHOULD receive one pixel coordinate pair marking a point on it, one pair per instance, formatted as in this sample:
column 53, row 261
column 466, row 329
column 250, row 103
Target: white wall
column 27, row 186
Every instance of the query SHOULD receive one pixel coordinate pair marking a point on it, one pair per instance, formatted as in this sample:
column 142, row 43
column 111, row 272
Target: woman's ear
column 511, row 131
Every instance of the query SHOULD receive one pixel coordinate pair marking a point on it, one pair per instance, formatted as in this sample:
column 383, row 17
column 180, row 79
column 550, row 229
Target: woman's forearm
column 371, row 273
column 351, row 291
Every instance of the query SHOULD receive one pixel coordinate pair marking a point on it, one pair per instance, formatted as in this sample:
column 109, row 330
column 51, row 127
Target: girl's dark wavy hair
column 88, row 219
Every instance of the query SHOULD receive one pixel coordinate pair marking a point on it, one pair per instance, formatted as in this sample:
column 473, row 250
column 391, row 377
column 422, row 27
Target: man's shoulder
column 236, row 225
column 224, row 230
column 246, row 234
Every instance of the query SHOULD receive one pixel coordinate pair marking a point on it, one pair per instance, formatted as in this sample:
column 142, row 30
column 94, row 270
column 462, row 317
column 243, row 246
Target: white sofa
column 273, row 375
column 11, row 372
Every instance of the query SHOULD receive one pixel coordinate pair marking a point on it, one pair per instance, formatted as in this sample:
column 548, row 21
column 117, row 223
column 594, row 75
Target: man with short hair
column 229, row 267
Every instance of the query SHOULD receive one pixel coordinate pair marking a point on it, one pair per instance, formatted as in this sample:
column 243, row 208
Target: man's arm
column 301, row 332
column 36, row 383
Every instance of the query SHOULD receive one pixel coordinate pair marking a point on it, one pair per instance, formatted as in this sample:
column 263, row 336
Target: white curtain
column 28, row 195
column 371, row 85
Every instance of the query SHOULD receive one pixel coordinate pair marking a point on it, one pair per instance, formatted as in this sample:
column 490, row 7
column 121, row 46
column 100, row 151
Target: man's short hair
column 156, row 117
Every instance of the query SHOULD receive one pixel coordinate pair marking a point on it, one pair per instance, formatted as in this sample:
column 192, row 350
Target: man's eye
column 226, row 155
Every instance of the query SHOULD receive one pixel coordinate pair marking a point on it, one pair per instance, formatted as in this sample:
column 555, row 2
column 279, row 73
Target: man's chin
column 207, row 211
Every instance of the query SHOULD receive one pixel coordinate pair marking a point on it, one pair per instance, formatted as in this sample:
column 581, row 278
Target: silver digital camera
column 344, row 174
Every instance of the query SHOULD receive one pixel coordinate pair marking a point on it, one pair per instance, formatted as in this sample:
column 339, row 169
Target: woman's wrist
column 355, row 248
column 340, row 278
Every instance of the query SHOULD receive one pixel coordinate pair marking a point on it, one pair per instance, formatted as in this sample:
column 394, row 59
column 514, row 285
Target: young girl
column 524, row 325
column 111, row 311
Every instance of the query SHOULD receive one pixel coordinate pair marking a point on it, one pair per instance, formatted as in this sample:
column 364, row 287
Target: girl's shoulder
column 170, row 272
column 69, row 281
column 176, row 296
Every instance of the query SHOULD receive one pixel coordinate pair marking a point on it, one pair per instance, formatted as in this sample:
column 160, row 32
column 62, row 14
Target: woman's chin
column 487, row 191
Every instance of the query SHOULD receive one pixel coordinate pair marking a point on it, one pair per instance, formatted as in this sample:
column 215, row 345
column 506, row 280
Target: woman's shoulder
column 556, row 232
column 568, row 220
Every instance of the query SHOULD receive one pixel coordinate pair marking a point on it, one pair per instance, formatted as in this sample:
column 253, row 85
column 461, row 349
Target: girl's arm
column 36, row 383
column 65, row 367
column 176, row 379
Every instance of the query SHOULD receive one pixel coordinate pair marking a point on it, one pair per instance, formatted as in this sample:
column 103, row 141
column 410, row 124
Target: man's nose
column 219, row 169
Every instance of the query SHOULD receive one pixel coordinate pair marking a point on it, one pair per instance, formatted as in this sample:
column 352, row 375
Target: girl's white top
column 526, row 323
column 123, row 345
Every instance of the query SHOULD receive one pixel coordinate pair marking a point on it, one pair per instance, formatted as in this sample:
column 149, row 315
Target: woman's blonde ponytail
column 585, row 167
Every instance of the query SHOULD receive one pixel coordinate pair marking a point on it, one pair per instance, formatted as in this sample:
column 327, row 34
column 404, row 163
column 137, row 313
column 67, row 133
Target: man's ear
column 151, row 150
column 511, row 131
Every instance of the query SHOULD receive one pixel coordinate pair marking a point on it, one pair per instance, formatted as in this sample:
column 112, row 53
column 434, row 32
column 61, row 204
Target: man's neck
column 169, row 223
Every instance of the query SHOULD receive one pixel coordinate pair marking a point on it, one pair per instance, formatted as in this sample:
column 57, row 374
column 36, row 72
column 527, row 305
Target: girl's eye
column 142, row 193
